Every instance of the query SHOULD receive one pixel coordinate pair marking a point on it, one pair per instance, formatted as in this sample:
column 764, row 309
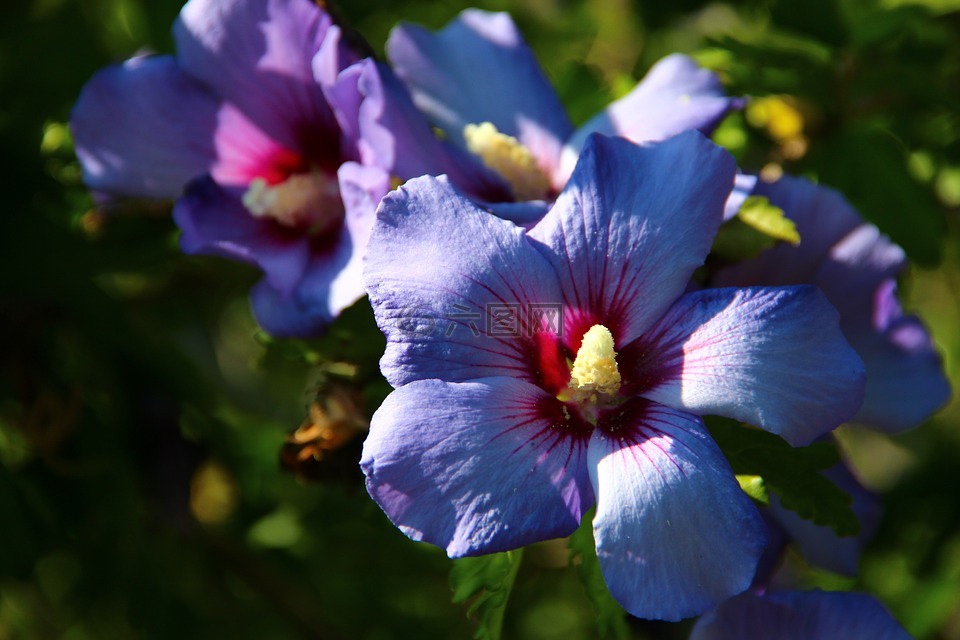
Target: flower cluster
column 451, row 179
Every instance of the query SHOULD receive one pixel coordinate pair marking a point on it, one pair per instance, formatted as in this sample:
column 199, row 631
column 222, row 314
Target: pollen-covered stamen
column 304, row 200
column 595, row 376
column 509, row 158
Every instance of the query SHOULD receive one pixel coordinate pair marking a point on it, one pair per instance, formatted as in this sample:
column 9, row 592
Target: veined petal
column 476, row 467
column 479, row 69
column 773, row 357
column 438, row 271
column 332, row 280
column 800, row 615
column 125, row 137
column 632, row 224
column 214, row 221
column 821, row 545
column 258, row 55
column 675, row 533
column 675, row 96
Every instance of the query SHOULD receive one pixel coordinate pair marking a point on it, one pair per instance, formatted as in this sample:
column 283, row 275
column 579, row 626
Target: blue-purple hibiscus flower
column 257, row 116
column 855, row 266
column 800, row 615
column 481, row 85
column 505, row 428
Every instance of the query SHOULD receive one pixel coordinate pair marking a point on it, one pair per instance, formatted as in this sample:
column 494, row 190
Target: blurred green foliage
column 142, row 415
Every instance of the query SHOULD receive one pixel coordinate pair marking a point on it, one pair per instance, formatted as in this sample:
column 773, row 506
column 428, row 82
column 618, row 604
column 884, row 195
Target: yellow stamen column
column 595, row 374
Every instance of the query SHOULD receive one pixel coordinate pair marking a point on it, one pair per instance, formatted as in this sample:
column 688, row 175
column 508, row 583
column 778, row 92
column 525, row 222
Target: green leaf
column 768, row 219
column 754, row 487
column 793, row 473
column 487, row 581
column 611, row 618
column 757, row 226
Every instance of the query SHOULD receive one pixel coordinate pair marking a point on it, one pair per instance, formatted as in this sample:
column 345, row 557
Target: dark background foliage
column 143, row 416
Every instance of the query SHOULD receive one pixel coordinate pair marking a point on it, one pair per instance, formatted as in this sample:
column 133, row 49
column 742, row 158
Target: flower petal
column 437, row 271
column 632, row 224
column 675, row 533
column 479, row 69
column 125, row 137
column 214, row 221
column 823, row 218
column 743, row 186
column 392, row 133
column 259, row 56
column 332, row 280
column 854, row 265
column 800, row 615
column 475, row 467
column 675, row 96
column 773, row 357
column 906, row 383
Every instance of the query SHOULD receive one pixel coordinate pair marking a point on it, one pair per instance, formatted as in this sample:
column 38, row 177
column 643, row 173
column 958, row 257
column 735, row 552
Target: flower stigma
column 304, row 200
column 595, row 377
column 509, row 158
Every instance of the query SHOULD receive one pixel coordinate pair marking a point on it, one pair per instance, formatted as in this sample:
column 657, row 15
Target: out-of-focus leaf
column 611, row 618
column 754, row 487
column 768, row 219
column 793, row 473
column 821, row 19
column 486, row 581
column 757, row 226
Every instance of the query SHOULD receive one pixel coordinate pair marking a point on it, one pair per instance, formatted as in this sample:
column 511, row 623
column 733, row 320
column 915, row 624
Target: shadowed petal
column 392, row 133
column 823, row 218
column 436, row 271
column 632, row 224
column 906, row 383
column 478, row 69
column 215, row 222
column 259, row 56
column 475, row 467
column 332, row 279
column 773, row 357
column 854, row 265
column 675, row 96
column 675, row 533
column 126, row 138
column 800, row 615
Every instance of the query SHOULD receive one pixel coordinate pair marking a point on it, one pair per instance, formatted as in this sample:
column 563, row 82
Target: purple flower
column 505, row 428
column 250, row 115
column 479, row 82
column 855, row 266
column 800, row 615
